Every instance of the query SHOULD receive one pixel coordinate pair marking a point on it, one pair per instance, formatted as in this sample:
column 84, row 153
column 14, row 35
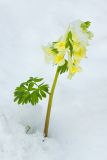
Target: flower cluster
column 70, row 48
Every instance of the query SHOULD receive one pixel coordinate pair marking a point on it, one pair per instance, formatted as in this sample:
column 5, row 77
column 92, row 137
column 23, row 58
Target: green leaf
column 69, row 35
column 31, row 91
column 43, row 93
column 30, row 86
column 64, row 68
column 85, row 25
column 37, row 79
column 16, row 98
column 69, row 42
column 55, row 50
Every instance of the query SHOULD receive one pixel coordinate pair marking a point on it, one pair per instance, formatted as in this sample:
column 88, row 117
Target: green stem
column 50, row 104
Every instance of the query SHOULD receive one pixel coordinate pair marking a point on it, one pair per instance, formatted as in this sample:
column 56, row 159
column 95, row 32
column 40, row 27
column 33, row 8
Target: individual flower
column 60, row 46
column 59, row 59
column 55, row 52
column 71, row 48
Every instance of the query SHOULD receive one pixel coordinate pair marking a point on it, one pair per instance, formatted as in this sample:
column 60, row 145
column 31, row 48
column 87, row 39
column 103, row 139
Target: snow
column 78, row 127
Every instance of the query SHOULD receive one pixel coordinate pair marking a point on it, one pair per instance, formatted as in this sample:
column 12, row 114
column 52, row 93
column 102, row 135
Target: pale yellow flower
column 49, row 54
column 74, row 69
column 59, row 59
column 73, row 66
column 48, row 50
column 71, row 48
column 79, row 52
column 60, row 46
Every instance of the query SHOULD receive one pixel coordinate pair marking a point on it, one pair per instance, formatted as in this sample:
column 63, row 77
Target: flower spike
column 70, row 48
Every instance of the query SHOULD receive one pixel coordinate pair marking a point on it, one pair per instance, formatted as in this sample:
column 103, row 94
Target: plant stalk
column 50, row 104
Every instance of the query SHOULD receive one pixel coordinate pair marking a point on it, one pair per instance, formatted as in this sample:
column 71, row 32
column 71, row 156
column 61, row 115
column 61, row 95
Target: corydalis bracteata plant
column 66, row 53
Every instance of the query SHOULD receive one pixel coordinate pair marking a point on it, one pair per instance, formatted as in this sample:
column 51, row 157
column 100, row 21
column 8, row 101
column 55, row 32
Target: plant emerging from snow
column 66, row 53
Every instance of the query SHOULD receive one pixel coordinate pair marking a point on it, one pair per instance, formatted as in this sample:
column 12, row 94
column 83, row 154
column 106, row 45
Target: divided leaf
column 31, row 91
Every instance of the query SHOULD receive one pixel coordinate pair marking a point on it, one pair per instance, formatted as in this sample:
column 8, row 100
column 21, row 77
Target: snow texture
column 78, row 128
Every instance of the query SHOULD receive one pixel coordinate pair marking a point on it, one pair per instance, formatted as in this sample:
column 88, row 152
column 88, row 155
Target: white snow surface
column 78, row 126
